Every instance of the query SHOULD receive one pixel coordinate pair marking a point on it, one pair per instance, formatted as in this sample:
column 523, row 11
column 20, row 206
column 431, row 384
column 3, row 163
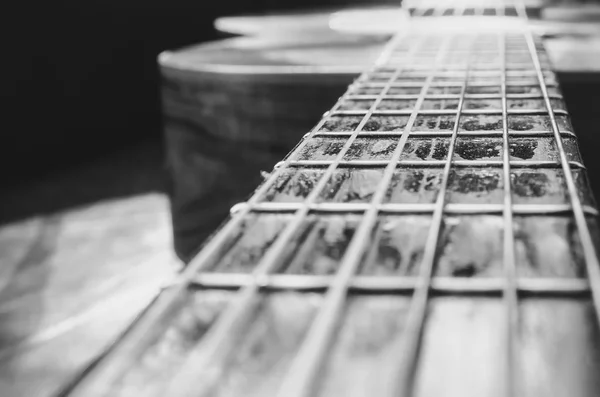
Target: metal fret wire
column 434, row 163
column 444, row 112
column 206, row 359
column 457, row 209
column 136, row 344
column 429, row 134
column 439, row 285
column 300, row 379
column 591, row 257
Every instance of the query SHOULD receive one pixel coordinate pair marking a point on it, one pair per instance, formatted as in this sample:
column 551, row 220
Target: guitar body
column 233, row 108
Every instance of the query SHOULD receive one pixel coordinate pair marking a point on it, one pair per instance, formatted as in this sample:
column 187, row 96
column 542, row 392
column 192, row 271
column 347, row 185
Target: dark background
column 80, row 77
column 81, row 116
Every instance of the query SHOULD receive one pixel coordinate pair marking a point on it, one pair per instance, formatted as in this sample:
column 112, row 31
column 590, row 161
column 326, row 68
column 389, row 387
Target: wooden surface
column 71, row 280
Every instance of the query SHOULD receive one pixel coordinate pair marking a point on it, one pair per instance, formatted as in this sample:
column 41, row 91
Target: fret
column 447, row 179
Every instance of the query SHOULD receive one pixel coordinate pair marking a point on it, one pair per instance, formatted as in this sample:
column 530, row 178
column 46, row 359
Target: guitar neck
column 433, row 234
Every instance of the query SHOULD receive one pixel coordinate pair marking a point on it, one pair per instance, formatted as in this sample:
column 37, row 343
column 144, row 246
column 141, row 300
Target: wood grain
column 71, row 282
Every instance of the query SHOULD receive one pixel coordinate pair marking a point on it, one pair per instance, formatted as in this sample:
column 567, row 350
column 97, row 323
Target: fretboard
column 468, row 8
column 433, row 235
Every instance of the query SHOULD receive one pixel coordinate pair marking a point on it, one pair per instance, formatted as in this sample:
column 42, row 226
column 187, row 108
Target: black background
column 79, row 78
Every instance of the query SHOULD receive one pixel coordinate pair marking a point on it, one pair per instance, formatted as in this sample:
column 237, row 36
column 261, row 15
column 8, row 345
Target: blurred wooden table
column 72, row 280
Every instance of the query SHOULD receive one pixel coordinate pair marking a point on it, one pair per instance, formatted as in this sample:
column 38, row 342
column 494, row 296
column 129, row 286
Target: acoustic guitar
column 434, row 234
